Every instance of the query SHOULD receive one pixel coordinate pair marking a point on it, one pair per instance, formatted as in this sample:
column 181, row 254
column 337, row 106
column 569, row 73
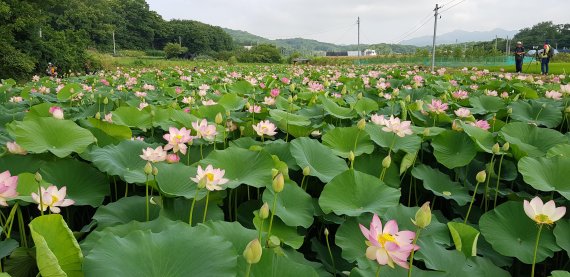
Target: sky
column 382, row 21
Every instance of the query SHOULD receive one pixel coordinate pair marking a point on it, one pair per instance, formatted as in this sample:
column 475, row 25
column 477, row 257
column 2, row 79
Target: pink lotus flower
column 16, row 99
column 463, row 112
column 205, row 131
column 275, row 92
column 388, row 246
column 565, row 88
column 315, row 86
column 265, row 128
column 172, row 158
column 52, row 198
column 142, row 105
column 543, row 213
column 400, row 128
column 483, row 124
column 209, row 102
column 15, row 148
column 254, row 109
column 269, row 101
column 177, row 139
column 56, row 112
column 214, row 177
column 153, row 155
column 108, row 118
column 8, row 185
column 378, row 119
column 491, row 93
column 418, row 79
column 140, row 94
column 437, row 106
column 553, row 95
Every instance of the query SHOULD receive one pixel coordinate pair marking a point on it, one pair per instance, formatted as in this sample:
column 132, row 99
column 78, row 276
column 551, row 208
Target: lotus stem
column 192, row 206
column 41, row 198
column 260, row 229
column 471, row 204
column 10, row 220
column 535, row 250
column 248, row 270
column 272, row 214
column 378, row 270
column 22, row 228
column 330, row 252
column 413, row 251
column 498, row 181
column 146, row 201
column 206, row 206
column 492, row 166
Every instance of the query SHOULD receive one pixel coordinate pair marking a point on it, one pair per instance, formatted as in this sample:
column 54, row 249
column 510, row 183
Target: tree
column 174, row 50
column 263, row 53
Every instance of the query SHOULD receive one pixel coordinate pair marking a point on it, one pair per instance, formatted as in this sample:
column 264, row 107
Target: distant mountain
column 460, row 36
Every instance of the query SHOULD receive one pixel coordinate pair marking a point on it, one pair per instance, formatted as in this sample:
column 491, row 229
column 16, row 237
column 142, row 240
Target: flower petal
column 558, row 213
column 391, row 227
column 528, row 210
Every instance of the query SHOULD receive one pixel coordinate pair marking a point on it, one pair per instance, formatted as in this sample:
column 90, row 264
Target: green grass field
column 534, row 68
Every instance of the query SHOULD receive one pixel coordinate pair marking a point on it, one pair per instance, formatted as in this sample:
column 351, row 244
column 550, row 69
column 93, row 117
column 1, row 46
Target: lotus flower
column 154, row 155
column 177, row 139
column 205, row 131
column 254, row 109
column 460, row 94
column 437, row 106
column 269, row 101
column 52, row 198
column 388, row 246
column 483, row 124
column 172, row 158
column 378, row 120
column 400, row 128
column 265, row 128
column 8, row 186
column 56, row 112
column 553, row 95
column 15, row 148
column 275, row 92
column 213, row 177
column 463, row 112
column 543, row 213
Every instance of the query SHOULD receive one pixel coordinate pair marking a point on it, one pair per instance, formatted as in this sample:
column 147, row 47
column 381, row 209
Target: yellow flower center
column 543, row 219
column 383, row 238
column 210, row 177
column 54, row 199
column 178, row 136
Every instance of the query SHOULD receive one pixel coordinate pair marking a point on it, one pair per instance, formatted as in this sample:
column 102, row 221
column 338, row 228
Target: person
column 51, row 70
column 519, row 56
column 545, row 58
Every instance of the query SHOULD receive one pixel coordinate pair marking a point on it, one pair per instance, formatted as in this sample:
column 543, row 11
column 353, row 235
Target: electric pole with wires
column 436, row 10
column 358, row 42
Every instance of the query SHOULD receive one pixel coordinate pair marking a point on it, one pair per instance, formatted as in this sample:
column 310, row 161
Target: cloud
column 381, row 21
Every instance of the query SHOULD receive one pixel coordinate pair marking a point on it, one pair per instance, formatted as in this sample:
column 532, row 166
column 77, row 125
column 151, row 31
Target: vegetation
column 174, row 50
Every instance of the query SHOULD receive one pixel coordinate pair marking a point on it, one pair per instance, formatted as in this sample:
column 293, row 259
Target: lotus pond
column 285, row 171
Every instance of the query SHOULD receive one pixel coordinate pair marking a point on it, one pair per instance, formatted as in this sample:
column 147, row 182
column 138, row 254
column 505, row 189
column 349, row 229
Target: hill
column 461, row 37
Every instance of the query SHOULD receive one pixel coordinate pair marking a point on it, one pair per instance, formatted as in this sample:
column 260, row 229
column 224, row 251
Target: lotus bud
column 510, row 111
column 252, row 252
column 295, row 98
column 496, row 148
column 274, row 172
column 227, row 113
column 386, row 162
column 292, row 87
column 481, row 176
column 426, row 132
column 506, row 146
column 247, row 105
column 359, row 96
column 274, row 242
column 423, row 216
column 351, row 156
column 264, row 211
column 202, row 182
column 38, row 177
column 361, row 124
column 326, row 231
column 567, row 110
column 98, row 116
column 154, row 171
column 278, row 183
column 106, row 101
column 219, row 119
column 148, row 168
column 343, row 91
column 290, row 99
column 306, row 171
column 326, row 83
column 408, row 99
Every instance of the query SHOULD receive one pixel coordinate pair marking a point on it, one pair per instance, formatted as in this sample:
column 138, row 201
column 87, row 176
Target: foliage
column 174, row 50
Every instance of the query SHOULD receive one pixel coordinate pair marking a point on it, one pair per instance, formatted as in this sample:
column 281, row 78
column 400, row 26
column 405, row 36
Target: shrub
column 174, row 50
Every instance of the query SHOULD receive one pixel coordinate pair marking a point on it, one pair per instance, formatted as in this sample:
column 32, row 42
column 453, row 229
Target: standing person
column 545, row 58
column 51, row 70
column 519, row 56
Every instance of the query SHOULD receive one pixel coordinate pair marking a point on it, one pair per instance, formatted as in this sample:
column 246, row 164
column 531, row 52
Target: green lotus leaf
column 335, row 110
column 453, row 149
column 560, row 273
column 85, row 184
column 408, row 144
column 320, row 160
column 242, row 166
column 482, row 138
column 286, row 234
column 547, row 174
column 232, row 102
column 441, row 185
column 60, row 137
column 529, row 140
column 536, row 113
column 294, row 205
column 465, row 237
column 365, row 106
column 113, row 130
column 179, row 251
column 132, row 117
column 353, row 193
column 511, row 233
column 57, row 250
column 485, row 104
column 241, row 87
column 342, row 140
column 559, row 150
column 290, row 118
column 561, row 232
column 68, row 91
column 122, row 160
column 124, row 211
column 174, row 180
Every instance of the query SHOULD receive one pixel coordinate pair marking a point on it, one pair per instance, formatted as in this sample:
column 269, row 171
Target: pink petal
column 536, row 204
column 391, row 227
column 364, row 231
column 528, row 210
column 549, row 208
column 382, row 256
column 558, row 213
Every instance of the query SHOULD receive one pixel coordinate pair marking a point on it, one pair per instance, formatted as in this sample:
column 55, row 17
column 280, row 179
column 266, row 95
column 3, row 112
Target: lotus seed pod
column 386, row 162
column 252, row 252
column 361, row 124
column 481, row 176
column 202, row 182
column 351, row 156
column 148, row 168
column 295, row 98
column 219, row 119
column 306, row 171
column 264, row 211
column 567, row 110
column 456, row 127
column 290, row 99
column 38, row 177
column 395, row 93
column 506, row 146
column 343, row 91
column 247, row 105
column 423, row 216
column 496, row 148
column 278, row 182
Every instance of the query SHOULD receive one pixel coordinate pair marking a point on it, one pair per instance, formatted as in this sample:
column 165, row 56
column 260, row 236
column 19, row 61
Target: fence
column 444, row 61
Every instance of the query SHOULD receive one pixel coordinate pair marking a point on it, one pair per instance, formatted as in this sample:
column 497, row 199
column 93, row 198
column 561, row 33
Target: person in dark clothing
column 545, row 58
column 519, row 56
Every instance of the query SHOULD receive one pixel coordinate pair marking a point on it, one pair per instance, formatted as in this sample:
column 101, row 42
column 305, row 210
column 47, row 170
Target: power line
column 414, row 31
column 453, row 6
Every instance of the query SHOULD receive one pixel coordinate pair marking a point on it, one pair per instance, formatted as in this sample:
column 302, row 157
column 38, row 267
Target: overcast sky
column 381, row 20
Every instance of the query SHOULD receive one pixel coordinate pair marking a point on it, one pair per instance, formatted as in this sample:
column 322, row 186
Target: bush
column 263, row 53
column 132, row 53
column 174, row 50
column 155, row 53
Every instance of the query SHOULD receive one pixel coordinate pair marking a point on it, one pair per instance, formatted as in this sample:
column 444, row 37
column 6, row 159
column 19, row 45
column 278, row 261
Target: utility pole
column 180, row 40
column 114, row 46
column 496, row 40
column 358, row 23
column 507, row 47
column 436, row 10
column 41, row 32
